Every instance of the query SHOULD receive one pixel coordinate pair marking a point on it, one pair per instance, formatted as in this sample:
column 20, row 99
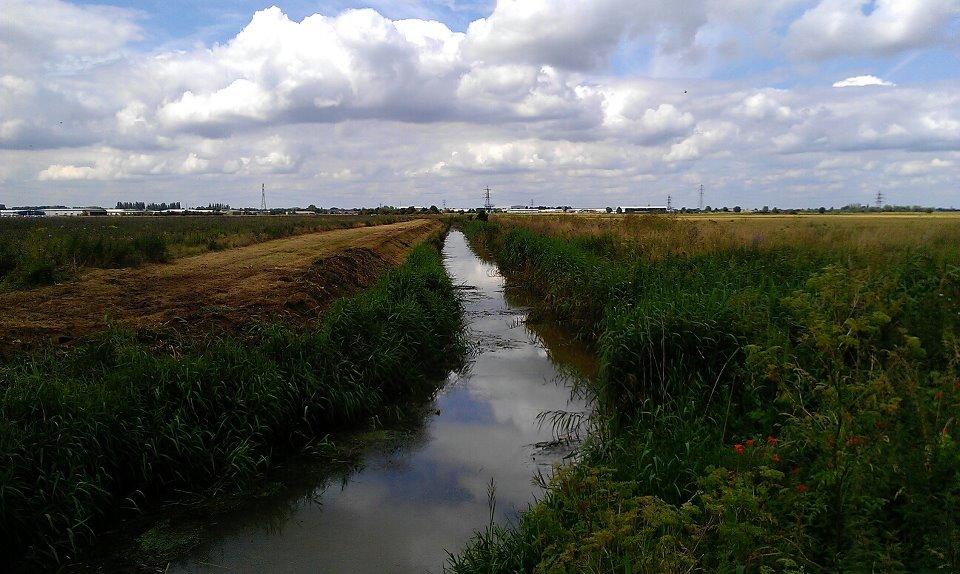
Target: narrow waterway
column 410, row 504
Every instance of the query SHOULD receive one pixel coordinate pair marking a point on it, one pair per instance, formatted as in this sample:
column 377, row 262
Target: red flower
column 738, row 448
column 801, row 488
column 856, row 441
column 749, row 442
column 775, row 457
column 938, row 396
column 772, row 440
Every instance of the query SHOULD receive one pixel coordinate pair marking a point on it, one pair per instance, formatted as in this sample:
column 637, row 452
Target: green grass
column 114, row 423
column 761, row 406
column 36, row 252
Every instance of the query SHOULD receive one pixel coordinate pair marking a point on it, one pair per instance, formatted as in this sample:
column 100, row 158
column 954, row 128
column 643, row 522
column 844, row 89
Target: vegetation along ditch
column 775, row 396
column 122, row 421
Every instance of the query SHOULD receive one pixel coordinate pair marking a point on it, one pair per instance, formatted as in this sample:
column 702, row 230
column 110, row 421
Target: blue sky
column 583, row 102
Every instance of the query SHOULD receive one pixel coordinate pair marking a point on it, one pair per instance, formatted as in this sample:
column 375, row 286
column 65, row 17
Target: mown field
column 42, row 251
column 775, row 394
column 122, row 420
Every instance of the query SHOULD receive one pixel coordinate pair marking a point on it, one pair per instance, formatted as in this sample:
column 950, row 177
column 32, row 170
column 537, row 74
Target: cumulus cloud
column 881, row 27
column 861, row 81
column 536, row 95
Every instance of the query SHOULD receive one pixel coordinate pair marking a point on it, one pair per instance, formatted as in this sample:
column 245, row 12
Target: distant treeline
column 141, row 206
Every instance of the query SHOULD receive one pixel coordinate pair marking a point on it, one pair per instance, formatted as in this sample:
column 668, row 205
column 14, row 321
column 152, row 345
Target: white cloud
column 62, row 35
column 392, row 110
column 581, row 34
column 920, row 167
column 881, row 27
column 861, row 81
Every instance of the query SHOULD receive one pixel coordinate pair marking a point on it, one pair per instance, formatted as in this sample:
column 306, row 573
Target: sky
column 591, row 103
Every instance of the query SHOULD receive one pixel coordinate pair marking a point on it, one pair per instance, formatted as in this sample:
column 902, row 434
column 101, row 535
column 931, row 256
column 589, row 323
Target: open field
column 283, row 278
column 47, row 250
column 775, row 394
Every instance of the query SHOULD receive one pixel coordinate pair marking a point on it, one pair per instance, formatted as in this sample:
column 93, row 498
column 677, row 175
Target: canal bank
column 425, row 493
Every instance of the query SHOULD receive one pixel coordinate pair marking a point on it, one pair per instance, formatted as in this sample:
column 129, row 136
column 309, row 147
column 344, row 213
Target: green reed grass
column 763, row 405
column 115, row 424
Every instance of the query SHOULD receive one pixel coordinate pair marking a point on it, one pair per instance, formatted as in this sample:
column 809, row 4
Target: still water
column 407, row 506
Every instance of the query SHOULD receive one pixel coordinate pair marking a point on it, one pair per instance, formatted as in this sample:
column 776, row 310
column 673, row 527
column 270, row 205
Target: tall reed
column 764, row 404
column 115, row 424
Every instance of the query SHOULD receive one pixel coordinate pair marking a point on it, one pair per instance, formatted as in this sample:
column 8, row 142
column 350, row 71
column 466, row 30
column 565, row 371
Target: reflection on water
column 408, row 506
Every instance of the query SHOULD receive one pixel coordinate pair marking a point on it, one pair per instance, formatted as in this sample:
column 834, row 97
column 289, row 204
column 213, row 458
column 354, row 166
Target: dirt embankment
column 286, row 279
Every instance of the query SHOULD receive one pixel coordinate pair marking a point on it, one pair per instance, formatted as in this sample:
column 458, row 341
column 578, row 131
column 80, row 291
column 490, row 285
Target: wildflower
column 749, row 442
column 856, row 441
column 775, row 457
column 801, row 488
column 772, row 440
column 938, row 396
column 738, row 448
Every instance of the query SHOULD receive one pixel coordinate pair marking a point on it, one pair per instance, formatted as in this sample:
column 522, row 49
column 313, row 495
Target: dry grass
column 657, row 236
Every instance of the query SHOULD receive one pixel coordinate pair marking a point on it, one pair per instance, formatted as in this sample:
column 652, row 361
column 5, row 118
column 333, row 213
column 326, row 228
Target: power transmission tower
column 444, row 205
column 487, row 204
column 263, row 197
column 701, row 197
column 879, row 200
column 669, row 203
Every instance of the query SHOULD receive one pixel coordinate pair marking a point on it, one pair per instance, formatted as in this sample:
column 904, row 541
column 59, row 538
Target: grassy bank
column 116, row 423
column 777, row 398
column 42, row 251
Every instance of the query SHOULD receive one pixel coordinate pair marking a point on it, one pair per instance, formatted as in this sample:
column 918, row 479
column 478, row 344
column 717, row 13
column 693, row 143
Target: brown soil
column 289, row 279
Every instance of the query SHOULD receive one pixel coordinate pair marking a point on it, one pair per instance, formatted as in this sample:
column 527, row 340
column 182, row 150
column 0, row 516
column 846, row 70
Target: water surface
column 409, row 505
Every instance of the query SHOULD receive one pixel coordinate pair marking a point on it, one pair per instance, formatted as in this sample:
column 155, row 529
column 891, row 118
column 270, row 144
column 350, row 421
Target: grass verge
column 761, row 406
column 116, row 423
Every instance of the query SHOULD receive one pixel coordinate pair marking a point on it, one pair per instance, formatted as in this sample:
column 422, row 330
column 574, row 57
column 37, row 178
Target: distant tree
column 312, row 207
column 609, row 210
column 482, row 215
column 822, row 210
column 766, row 209
column 726, row 209
column 619, row 210
column 737, row 209
column 134, row 205
column 776, row 210
column 2, row 206
column 708, row 209
column 434, row 209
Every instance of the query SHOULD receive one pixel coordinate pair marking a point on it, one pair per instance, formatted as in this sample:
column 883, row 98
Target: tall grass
column 763, row 405
column 42, row 251
column 115, row 424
